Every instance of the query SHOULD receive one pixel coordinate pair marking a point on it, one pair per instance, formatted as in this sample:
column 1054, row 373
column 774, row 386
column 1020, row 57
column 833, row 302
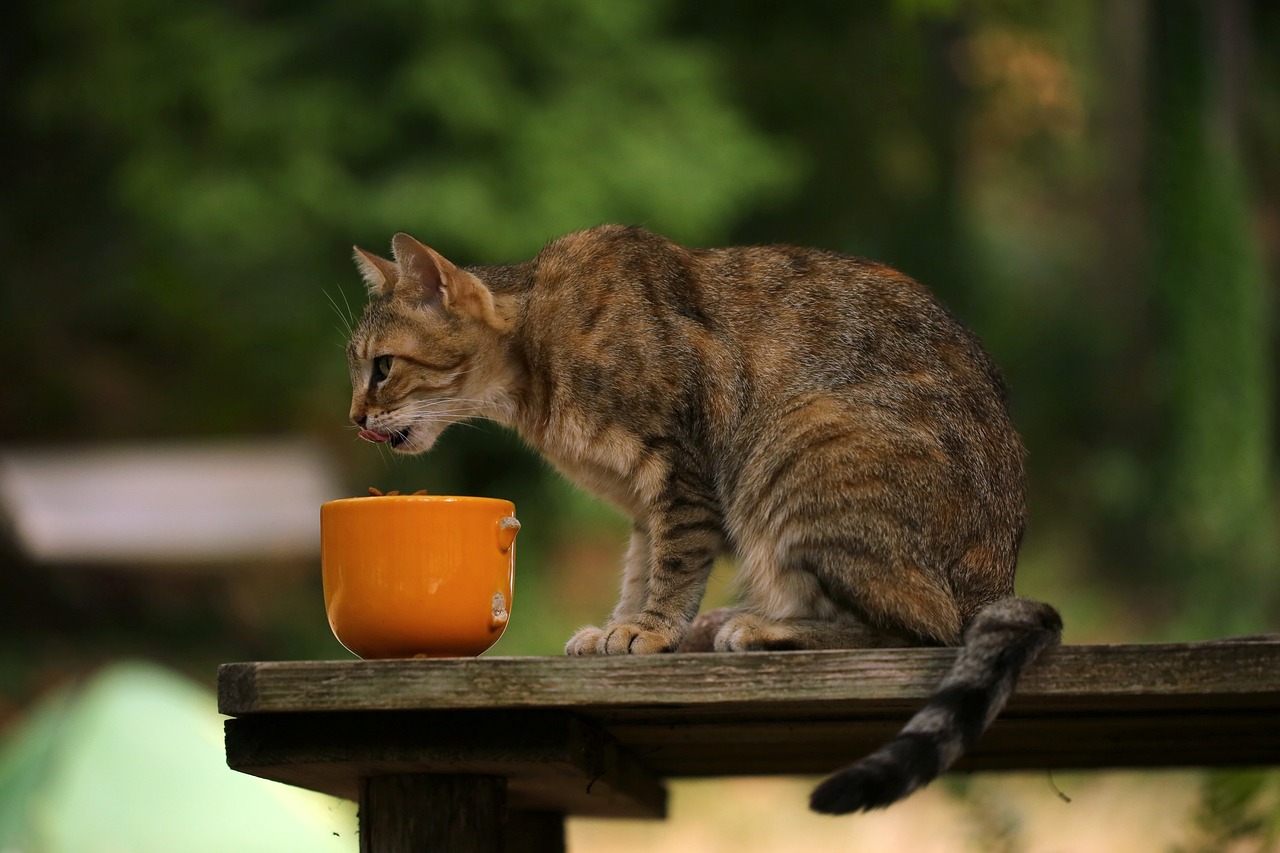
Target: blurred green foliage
column 182, row 183
column 237, row 150
column 1093, row 186
column 1214, row 299
column 1238, row 810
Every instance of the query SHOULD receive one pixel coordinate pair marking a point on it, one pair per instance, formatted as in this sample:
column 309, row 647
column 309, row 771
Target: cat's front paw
column 622, row 639
column 585, row 642
column 631, row 639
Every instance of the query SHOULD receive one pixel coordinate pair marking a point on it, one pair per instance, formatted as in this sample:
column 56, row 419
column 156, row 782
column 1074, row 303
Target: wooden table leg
column 429, row 813
column 535, row 832
column 453, row 813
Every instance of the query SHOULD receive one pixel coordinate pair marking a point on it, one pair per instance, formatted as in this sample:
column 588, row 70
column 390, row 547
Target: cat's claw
column 629, row 639
column 624, row 639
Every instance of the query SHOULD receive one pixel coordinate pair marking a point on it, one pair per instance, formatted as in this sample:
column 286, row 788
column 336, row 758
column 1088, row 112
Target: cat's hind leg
column 834, row 597
column 701, row 636
column 730, row 630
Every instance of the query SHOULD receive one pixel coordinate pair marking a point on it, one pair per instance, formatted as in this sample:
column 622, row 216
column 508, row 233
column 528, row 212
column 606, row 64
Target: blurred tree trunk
column 1211, row 294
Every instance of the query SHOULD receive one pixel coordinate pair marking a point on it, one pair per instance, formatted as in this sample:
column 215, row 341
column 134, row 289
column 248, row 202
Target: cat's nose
column 359, row 420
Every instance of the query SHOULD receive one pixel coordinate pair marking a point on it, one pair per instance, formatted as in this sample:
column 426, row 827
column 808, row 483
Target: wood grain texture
column 535, row 832
column 1096, row 678
column 552, row 761
column 596, row 735
column 410, row 814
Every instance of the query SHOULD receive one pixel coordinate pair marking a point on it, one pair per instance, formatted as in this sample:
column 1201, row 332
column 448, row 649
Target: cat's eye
column 381, row 367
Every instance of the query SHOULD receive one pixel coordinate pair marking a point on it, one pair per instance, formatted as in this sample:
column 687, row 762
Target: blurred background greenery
column 1093, row 186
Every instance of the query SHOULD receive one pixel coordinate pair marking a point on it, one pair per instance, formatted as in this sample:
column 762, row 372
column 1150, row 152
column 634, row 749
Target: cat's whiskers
column 445, row 412
column 385, row 456
column 351, row 315
column 346, row 319
column 445, row 419
column 452, row 406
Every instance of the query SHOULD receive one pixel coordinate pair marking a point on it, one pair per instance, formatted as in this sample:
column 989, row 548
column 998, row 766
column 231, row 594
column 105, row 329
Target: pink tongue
column 374, row 435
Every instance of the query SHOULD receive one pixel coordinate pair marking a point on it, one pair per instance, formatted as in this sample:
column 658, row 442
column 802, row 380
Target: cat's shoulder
column 623, row 239
column 611, row 247
column 607, row 238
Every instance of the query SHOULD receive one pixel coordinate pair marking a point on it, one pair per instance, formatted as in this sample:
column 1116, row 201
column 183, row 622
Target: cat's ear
column 421, row 270
column 379, row 274
column 429, row 277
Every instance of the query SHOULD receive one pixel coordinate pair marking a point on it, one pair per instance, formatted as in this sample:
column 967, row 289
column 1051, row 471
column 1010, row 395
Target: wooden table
column 491, row 754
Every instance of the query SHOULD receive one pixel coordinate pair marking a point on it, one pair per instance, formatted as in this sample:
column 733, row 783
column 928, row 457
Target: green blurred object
column 240, row 150
column 132, row 760
column 1217, row 525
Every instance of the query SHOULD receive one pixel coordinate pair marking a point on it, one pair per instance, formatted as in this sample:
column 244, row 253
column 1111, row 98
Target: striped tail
column 1002, row 640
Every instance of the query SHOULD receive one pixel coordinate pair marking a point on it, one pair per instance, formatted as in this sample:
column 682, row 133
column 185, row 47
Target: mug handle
column 508, row 527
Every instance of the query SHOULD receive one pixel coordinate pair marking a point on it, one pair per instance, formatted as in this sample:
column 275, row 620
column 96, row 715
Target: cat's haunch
column 820, row 417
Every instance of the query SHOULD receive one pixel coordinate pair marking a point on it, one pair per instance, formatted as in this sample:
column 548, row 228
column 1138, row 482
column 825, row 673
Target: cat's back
column 759, row 357
column 773, row 311
column 736, row 285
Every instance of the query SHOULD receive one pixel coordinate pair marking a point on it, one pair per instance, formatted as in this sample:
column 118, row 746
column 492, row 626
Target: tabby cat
column 818, row 416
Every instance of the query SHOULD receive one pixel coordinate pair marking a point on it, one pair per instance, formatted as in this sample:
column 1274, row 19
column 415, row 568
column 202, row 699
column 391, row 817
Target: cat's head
column 429, row 350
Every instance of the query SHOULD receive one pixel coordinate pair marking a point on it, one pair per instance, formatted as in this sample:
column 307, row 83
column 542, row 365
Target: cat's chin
column 414, row 440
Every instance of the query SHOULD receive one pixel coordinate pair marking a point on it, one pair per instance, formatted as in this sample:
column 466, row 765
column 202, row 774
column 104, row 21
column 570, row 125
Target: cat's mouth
column 395, row 438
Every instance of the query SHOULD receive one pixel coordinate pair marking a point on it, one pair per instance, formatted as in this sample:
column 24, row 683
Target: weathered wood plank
column 553, row 761
column 595, row 735
column 331, row 753
column 1084, row 678
column 1058, row 742
column 535, row 832
column 460, row 814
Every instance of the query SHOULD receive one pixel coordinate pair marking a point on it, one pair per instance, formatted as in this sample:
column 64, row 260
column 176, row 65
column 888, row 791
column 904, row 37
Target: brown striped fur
column 821, row 417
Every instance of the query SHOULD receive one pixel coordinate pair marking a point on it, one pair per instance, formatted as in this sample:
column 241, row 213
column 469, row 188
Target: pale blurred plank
column 166, row 504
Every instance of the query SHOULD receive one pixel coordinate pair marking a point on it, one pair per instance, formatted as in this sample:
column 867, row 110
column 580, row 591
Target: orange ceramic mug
column 417, row 575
